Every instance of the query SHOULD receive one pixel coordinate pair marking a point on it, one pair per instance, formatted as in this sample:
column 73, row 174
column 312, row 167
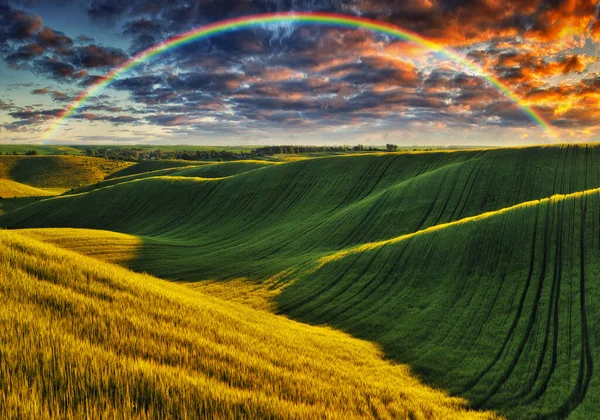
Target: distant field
column 166, row 148
column 150, row 166
column 197, row 170
column 81, row 336
column 478, row 268
column 60, row 172
column 41, row 150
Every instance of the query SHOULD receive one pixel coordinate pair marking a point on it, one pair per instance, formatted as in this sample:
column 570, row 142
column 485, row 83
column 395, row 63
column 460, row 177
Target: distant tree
column 391, row 147
column 15, row 153
column 31, row 153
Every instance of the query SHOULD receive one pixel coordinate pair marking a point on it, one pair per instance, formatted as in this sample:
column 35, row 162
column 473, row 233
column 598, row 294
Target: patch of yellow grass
column 258, row 295
column 84, row 338
column 113, row 247
column 12, row 189
column 59, row 172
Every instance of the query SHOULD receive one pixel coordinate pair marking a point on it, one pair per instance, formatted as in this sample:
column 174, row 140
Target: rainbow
column 329, row 19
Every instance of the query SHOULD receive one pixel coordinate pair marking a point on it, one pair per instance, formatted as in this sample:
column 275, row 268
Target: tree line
column 137, row 154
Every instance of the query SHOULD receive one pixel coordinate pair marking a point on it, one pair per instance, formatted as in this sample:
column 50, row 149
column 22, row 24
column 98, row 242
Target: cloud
column 54, row 94
column 49, row 38
column 321, row 78
column 5, row 106
column 58, row 69
column 41, row 91
column 29, row 45
column 17, row 25
column 93, row 56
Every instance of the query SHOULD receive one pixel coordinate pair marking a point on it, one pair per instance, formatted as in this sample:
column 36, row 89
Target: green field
column 39, row 149
column 477, row 268
column 58, row 172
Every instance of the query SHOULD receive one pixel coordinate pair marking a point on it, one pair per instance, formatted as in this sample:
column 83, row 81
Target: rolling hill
column 14, row 195
column 201, row 170
column 499, row 308
column 12, row 189
column 259, row 223
column 468, row 265
column 79, row 337
column 150, row 166
column 57, row 172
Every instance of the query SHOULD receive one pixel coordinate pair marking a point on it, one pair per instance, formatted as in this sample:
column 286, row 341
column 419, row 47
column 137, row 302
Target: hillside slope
column 500, row 309
column 150, row 166
column 61, row 172
column 205, row 170
column 14, row 195
column 259, row 223
column 83, row 338
column 496, row 309
column 12, row 189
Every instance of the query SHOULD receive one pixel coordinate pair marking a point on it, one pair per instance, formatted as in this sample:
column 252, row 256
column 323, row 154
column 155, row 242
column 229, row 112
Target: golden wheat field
column 85, row 338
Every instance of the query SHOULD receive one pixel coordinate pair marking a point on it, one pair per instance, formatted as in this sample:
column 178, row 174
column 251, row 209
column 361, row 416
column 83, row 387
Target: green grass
column 58, row 172
column 483, row 307
column 150, row 166
column 259, row 223
column 203, row 170
column 500, row 309
column 81, row 338
column 14, row 195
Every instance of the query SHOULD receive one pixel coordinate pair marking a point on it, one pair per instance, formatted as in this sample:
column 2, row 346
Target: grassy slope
column 79, row 337
column 500, row 309
column 149, row 166
column 61, row 172
column 205, row 170
column 259, row 224
column 12, row 189
column 14, row 195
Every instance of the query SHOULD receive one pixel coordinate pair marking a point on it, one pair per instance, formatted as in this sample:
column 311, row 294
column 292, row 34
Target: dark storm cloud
column 181, row 13
column 374, row 71
column 449, row 21
column 144, row 33
column 57, row 69
column 49, row 38
column 25, row 53
column 28, row 44
column 25, row 118
column 116, row 120
column 108, row 10
column 17, row 25
column 93, row 56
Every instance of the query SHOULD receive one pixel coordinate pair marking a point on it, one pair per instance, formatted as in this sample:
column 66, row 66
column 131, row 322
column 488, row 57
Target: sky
column 290, row 83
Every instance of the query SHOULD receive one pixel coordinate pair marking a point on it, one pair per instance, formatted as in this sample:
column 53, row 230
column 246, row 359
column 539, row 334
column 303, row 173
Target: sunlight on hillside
column 81, row 336
column 61, row 172
column 12, row 189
